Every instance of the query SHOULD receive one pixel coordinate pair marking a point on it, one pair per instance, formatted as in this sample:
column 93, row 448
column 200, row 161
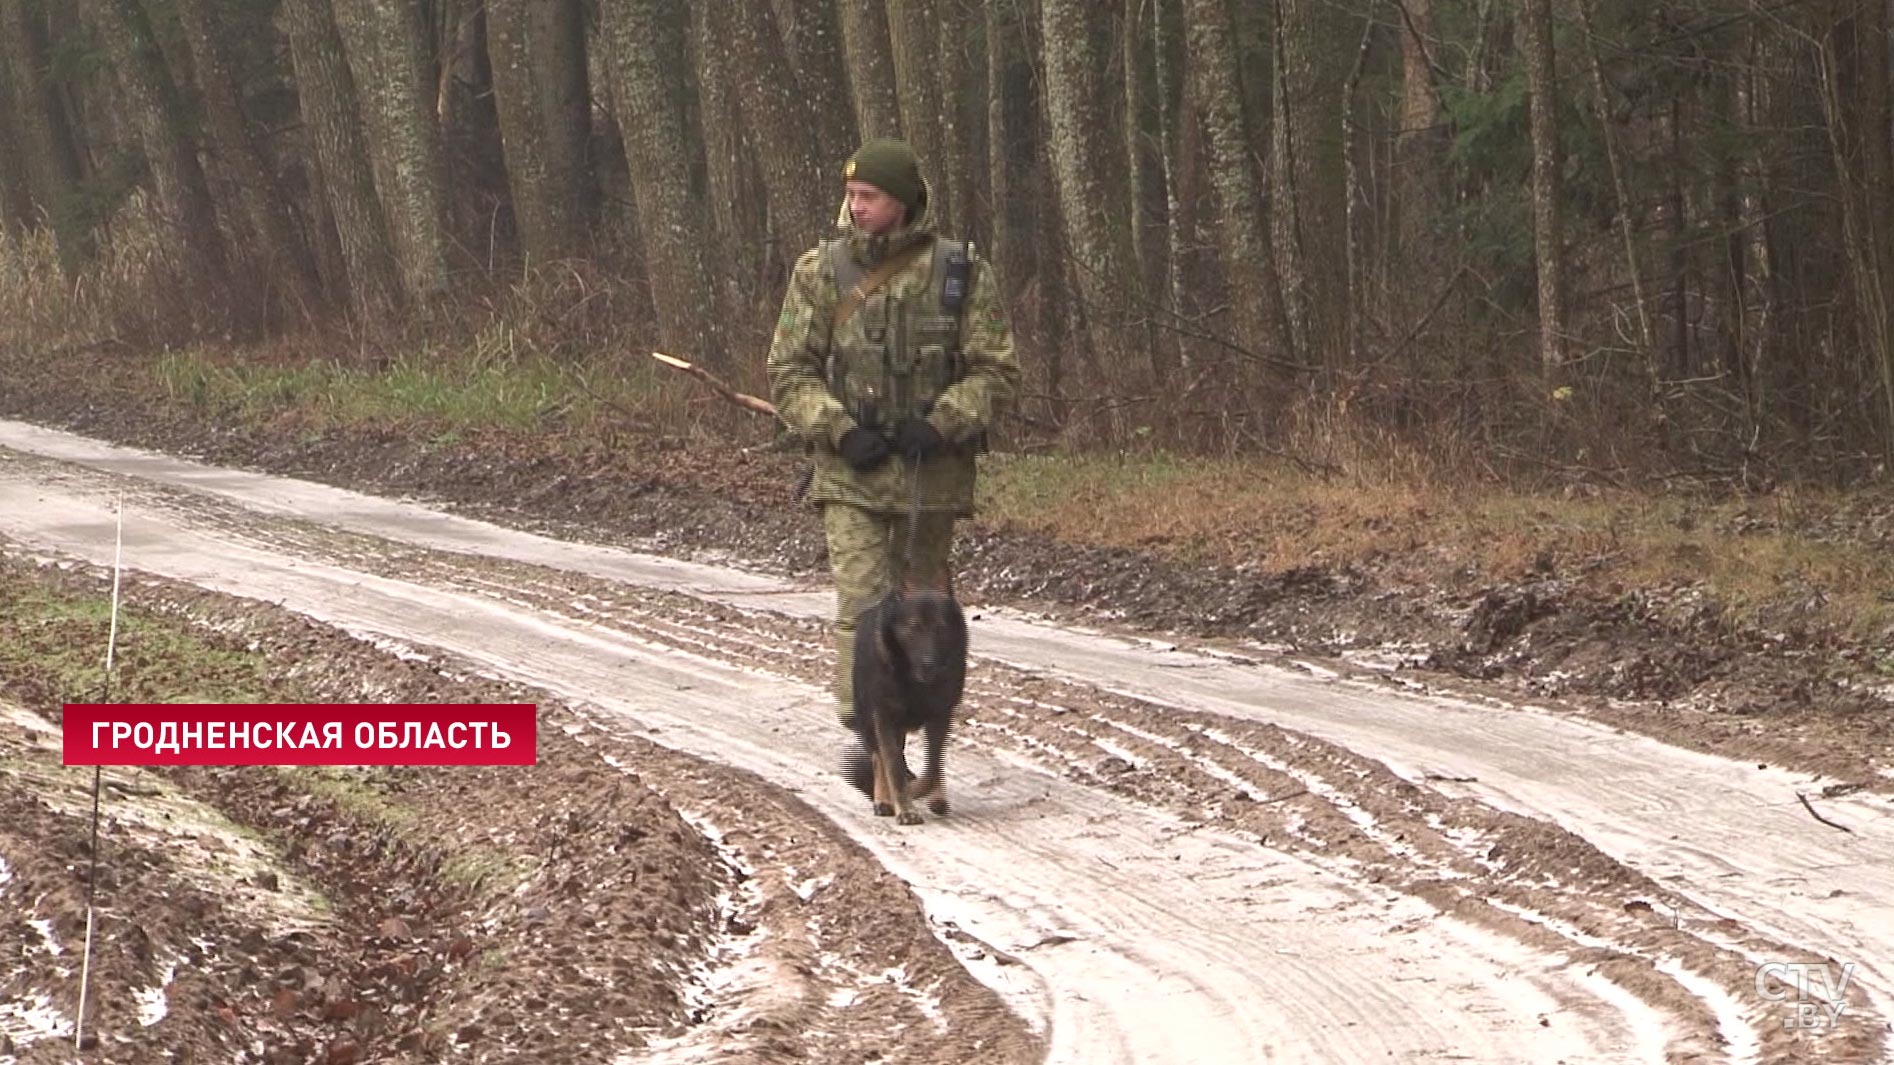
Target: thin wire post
column 98, row 780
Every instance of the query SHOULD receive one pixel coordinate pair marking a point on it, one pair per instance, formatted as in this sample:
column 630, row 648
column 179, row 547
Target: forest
column 1626, row 238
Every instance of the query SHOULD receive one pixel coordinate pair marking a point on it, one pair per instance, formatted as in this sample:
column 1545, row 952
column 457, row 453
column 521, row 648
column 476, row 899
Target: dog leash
column 914, row 521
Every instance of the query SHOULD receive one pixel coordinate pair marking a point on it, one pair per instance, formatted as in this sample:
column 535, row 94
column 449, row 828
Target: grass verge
column 1752, row 554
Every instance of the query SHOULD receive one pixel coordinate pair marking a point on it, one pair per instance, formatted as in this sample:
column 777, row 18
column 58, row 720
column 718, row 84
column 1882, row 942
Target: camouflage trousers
column 868, row 555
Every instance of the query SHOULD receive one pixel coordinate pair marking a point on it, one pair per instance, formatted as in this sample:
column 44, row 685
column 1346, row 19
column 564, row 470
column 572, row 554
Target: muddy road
column 1160, row 851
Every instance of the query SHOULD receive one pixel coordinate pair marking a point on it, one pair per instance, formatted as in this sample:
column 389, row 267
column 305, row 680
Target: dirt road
column 1158, row 853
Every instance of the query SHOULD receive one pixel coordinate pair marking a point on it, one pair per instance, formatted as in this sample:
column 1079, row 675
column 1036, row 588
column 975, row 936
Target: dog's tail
column 859, row 770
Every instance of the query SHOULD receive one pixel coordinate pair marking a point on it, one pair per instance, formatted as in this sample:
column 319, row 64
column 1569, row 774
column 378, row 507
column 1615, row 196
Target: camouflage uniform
column 895, row 357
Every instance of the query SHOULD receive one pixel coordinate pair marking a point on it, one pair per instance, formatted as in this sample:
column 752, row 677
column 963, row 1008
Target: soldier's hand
column 863, row 449
column 919, row 438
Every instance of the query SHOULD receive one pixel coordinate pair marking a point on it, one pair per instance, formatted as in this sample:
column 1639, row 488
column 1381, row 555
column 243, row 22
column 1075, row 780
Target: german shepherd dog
column 910, row 665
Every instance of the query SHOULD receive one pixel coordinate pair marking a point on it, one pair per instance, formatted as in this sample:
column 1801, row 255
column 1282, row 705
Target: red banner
column 301, row 734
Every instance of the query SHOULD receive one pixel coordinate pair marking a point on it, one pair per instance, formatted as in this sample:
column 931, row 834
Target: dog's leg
column 894, row 766
column 933, row 785
column 884, row 798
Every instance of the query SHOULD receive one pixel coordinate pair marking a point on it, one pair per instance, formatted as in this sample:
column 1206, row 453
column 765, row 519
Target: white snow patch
column 153, row 1003
column 1744, row 1044
column 1131, row 759
column 1204, row 762
column 715, row 987
column 1387, row 657
column 1741, row 1040
column 30, row 1020
column 806, row 889
column 928, row 1002
column 45, row 929
column 1369, row 825
column 27, row 719
column 400, row 650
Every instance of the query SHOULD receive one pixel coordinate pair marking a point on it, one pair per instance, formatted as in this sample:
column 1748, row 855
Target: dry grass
column 126, row 294
column 1270, row 516
column 441, row 392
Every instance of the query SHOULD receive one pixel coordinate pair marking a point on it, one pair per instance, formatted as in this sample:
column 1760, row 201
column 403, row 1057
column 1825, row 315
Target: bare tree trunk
column 1420, row 103
column 865, row 37
column 1056, row 313
column 1420, row 141
column 1542, row 84
column 1877, row 159
column 449, row 31
column 16, row 194
column 177, row 178
column 1756, row 225
column 1253, row 38
column 556, row 38
column 385, row 45
column 962, row 67
column 651, row 111
column 47, row 158
column 1732, row 267
column 781, row 133
column 1626, row 212
column 1142, row 146
column 330, row 111
column 1677, row 219
column 1285, row 219
column 1081, row 152
column 1311, row 37
column 812, row 39
column 1244, row 247
column 915, row 35
column 544, row 234
column 1852, row 133
column 1169, row 356
column 1144, row 149
column 280, row 244
column 1353, row 194
column 536, row 49
column 737, row 212
column 1493, row 27
column 1010, row 159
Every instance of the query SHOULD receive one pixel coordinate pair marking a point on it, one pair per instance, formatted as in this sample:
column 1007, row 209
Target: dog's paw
column 909, row 817
column 884, row 809
column 938, row 805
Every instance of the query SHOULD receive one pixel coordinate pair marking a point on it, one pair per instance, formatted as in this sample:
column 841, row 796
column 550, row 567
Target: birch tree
column 1547, row 220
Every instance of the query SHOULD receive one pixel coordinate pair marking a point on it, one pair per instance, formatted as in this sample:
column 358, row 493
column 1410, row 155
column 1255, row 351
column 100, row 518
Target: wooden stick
column 1819, row 817
column 741, row 399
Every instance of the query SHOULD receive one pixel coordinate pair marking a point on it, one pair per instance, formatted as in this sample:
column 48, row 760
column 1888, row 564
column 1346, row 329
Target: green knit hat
column 889, row 165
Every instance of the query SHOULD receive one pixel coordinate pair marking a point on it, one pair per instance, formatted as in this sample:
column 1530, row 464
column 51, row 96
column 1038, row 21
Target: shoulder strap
column 838, row 266
column 853, row 294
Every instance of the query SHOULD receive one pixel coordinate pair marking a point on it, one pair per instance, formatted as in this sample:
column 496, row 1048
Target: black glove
column 919, row 438
column 864, row 449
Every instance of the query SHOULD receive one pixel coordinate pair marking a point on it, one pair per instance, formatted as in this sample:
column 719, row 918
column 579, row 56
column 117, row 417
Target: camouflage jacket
column 820, row 375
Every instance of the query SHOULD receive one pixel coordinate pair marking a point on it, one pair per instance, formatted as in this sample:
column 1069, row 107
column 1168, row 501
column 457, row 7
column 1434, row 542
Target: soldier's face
column 873, row 210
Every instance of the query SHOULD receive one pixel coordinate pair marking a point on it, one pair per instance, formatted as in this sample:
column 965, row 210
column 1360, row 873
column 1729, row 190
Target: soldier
column 891, row 360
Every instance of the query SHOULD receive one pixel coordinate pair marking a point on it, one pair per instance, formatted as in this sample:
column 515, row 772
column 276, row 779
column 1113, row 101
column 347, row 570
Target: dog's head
column 926, row 628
